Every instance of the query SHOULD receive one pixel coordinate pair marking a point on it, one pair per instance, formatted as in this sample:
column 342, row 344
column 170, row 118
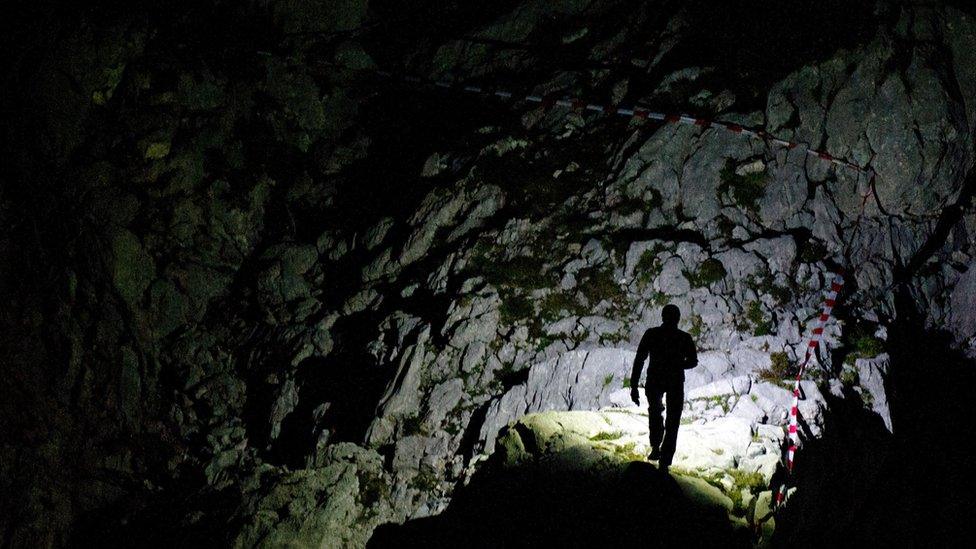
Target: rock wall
column 239, row 266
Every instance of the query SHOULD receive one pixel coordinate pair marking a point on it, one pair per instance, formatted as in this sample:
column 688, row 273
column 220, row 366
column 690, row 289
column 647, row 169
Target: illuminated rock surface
column 254, row 293
column 578, row 478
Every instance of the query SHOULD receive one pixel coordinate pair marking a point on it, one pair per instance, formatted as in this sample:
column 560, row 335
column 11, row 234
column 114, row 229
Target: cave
column 351, row 273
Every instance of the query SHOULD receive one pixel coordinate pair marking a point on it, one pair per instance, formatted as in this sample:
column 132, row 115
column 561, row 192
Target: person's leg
column 675, row 404
column 655, row 418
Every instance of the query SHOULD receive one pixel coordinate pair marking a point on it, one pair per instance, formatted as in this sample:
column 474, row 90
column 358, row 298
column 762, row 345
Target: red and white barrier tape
column 837, row 283
column 637, row 113
column 815, row 337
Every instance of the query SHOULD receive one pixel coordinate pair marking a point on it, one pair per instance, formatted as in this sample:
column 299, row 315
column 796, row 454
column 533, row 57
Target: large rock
column 872, row 376
column 715, row 463
column 337, row 503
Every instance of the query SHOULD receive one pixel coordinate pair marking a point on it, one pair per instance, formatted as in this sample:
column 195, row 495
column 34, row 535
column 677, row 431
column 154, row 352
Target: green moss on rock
column 132, row 267
column 648, row 267
column 523, row 272
column 868, row 346
column 756, row 320
column 764, row 284
column 514, row 307
column 862, row 342
column 557, row 305
column 606, row 435
column 709, row 272
column 812, row 251
column 157, row 150
column 779, row 372
column 697, row 327
column 598, row 284
column 746, row 190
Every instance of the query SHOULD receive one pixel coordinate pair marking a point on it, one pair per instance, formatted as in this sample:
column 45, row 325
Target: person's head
column 670, row 315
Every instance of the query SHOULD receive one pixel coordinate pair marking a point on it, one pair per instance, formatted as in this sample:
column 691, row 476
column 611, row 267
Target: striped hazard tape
column 837, row 283
column 636, row 113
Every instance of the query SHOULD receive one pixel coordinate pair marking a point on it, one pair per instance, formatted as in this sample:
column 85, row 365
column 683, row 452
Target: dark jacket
column 671, row 352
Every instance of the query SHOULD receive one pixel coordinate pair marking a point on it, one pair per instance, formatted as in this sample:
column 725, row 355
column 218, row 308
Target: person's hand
column 635, row 396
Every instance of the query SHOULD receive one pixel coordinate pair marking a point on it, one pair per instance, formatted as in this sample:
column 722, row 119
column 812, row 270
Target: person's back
column 669, row 352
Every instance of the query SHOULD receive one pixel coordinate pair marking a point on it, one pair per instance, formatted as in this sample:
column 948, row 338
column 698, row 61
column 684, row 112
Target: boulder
column 334, row 505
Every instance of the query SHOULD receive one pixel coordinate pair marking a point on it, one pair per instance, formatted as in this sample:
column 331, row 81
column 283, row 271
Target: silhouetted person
column 671, row 352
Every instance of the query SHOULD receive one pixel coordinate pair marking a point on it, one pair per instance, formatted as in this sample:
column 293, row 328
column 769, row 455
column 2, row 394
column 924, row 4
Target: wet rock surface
column 255, row 295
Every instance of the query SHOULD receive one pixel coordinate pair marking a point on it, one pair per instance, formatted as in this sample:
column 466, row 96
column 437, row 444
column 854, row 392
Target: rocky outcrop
column 721, row 464
column 334, row 503
column 567, row 478
column 276, row 277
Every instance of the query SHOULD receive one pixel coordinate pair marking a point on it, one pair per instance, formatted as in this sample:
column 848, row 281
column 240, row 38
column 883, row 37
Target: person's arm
column 635, row 373
column 691, row 354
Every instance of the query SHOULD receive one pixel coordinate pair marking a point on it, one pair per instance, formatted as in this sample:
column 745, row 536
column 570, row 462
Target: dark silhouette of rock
column 552, row 503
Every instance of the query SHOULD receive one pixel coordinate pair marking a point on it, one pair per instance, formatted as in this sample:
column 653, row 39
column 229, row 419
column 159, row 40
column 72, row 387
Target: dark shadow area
column 860, row 485
column 752, row 45
column 931, row 388
column 841, row 480
column 331, row 397
column 745, row 47
column 405, row 124
column 546, row 504
column 176, row 517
